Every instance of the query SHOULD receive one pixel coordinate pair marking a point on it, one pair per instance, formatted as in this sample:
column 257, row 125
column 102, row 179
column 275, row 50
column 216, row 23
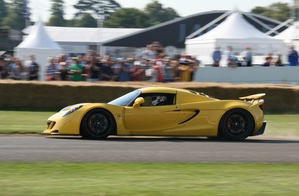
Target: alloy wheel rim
column 236, row 124
column 97, row 123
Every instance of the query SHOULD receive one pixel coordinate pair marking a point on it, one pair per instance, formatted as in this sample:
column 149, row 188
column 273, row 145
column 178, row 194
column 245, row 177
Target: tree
column 15, row 15
column 57, row 12
column 278, row 11
column 160, row 14
column 87, row 21
column 259, row 10
column 98, row 8
column 128, row 18
column 3, row 11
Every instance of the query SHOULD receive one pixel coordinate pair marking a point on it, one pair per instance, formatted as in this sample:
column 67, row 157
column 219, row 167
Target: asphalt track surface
column 156, row 149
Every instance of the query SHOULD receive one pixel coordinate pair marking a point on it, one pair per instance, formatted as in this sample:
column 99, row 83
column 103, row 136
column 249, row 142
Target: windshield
column 126, row 99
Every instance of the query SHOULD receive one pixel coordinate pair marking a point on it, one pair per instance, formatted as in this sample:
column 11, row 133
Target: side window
column 147, row 101
column 158, row 99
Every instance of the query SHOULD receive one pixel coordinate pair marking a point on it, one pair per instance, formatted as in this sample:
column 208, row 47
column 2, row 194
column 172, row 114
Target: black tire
column 236, row 124
column 97, row 124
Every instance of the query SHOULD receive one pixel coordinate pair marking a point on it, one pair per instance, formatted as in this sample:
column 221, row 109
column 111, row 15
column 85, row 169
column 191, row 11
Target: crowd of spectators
column 228, row 58
column 151, row 65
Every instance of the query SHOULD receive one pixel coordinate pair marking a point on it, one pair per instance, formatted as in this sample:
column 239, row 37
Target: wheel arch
column 113, row 132
column 250, row 115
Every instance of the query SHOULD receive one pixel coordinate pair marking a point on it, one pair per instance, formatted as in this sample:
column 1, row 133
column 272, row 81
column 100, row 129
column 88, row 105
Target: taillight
column 262, row 107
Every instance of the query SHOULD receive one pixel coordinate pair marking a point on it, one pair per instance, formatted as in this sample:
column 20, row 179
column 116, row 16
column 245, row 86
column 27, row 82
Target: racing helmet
column 156, row 100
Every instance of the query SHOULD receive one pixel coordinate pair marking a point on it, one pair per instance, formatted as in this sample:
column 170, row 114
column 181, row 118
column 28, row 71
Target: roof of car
column 158, row 89
column 162, row 89
column 186, row 95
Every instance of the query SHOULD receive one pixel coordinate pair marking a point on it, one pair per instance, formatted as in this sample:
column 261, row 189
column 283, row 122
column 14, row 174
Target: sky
column 40, row 8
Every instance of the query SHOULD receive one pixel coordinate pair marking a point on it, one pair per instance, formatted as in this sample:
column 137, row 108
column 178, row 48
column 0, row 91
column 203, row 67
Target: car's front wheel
column 236, row 124
column 97, row 124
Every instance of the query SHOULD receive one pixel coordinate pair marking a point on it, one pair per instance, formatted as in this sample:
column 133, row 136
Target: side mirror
column 138, row 102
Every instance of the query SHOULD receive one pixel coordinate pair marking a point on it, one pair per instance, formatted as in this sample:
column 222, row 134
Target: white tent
column 236, row 32
column 84, row 35
column 39, row 44
column 80, row 40
column 290, row 35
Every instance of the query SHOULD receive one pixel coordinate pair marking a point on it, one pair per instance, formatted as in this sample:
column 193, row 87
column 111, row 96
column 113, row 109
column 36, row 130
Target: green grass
column 23, row 121
column 35, row 122
column 285, row 124
column 145, row 179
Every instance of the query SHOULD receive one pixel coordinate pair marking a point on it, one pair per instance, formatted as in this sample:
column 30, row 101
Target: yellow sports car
column 162, row 111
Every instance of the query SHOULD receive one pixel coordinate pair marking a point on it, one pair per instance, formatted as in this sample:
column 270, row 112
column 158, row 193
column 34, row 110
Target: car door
column 151, row 119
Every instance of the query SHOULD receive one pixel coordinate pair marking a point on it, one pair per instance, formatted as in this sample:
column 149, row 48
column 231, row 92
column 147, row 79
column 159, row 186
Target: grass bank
column 146, row 179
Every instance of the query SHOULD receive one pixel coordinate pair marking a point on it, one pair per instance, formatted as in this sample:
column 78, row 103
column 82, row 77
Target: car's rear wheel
column 236, row 124
column 97, row 124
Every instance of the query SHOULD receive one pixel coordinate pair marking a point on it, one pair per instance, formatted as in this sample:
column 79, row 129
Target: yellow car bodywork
column 190, row 114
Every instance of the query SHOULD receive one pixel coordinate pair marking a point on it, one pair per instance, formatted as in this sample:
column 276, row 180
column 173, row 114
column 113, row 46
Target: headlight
column 66, row 108
column 72, row 110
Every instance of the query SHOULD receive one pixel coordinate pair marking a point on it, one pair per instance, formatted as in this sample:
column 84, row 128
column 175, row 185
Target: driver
column 157, row 100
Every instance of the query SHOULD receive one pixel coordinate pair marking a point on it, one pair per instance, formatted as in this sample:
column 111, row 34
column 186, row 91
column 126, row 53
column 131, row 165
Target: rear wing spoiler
column 252, row 98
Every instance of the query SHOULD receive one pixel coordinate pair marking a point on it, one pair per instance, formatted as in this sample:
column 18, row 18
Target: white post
column 100, row 21
column 294, row 9
column 99, row 36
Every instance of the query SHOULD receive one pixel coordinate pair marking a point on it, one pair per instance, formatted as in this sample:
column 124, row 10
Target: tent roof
column 86, row 35
column 290, row 34
column 234, row 27
column 39, row 39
